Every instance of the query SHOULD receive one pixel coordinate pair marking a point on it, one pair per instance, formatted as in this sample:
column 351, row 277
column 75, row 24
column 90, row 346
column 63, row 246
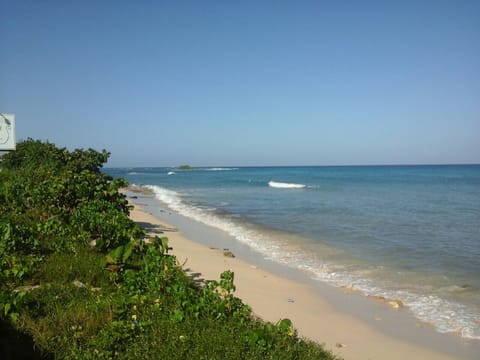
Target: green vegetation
column 185, row 167
column 77, row 278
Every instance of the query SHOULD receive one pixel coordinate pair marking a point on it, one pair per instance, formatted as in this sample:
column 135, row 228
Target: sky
column 245, row 83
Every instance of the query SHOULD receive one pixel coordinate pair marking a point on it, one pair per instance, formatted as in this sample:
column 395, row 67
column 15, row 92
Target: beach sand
column 273, row 297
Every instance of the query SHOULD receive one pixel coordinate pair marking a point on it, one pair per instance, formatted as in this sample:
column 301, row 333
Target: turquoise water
column 410, row 233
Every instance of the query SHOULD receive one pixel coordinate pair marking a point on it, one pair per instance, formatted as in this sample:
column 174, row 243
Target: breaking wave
column 219, row 169
column 281, row 185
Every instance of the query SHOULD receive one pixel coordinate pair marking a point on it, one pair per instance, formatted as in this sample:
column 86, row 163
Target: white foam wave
column 445, row 315
column 281, row 185
column 220, row 169
column 249, row 237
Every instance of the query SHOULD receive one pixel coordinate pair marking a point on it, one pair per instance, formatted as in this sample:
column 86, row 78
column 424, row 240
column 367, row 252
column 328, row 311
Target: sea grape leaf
column 127, row 251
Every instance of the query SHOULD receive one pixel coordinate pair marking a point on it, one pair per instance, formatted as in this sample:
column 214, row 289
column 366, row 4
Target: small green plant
column 120, row 254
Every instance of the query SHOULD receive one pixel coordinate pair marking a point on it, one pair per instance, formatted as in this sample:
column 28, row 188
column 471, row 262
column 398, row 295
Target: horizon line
column 285, row 166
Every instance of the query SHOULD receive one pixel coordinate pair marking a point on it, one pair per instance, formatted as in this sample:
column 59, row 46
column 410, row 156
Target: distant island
column 184, row 167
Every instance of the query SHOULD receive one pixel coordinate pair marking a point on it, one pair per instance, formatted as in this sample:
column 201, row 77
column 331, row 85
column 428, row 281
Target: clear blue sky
column 246, row 82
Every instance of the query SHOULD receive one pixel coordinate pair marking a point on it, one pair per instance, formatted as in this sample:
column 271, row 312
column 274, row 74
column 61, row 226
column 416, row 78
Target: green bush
column 76, row 276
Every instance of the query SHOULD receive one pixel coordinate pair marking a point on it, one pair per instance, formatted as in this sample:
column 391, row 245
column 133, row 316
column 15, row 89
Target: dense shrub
column 76, row 276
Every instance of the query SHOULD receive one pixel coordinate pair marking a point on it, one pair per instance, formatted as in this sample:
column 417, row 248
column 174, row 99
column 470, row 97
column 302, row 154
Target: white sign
column 7, row 132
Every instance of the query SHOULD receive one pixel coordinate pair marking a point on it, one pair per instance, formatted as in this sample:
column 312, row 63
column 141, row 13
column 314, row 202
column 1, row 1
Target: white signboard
column 7, row 132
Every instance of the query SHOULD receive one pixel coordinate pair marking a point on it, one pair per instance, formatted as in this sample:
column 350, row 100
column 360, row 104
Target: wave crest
column 220, row 169
column 281, row 185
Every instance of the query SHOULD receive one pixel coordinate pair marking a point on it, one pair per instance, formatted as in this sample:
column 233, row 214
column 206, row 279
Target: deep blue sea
column 410, row 233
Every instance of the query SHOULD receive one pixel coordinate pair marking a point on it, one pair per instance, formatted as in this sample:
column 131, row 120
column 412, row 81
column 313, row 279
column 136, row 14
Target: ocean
column 409, row 233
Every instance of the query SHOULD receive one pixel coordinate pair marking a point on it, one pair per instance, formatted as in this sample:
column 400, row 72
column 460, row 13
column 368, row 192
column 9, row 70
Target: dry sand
column 273, row 297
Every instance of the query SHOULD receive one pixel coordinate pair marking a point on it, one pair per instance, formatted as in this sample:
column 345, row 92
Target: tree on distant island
column 185, row 167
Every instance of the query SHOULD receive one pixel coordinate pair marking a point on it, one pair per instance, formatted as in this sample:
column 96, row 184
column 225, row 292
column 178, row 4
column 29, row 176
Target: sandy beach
column 273, row 297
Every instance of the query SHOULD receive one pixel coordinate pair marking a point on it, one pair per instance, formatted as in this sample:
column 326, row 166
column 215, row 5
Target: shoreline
column 327, row 317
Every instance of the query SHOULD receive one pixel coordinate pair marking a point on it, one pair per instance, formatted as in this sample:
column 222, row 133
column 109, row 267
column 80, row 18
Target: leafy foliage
column 53, row 201
column 76, row 275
